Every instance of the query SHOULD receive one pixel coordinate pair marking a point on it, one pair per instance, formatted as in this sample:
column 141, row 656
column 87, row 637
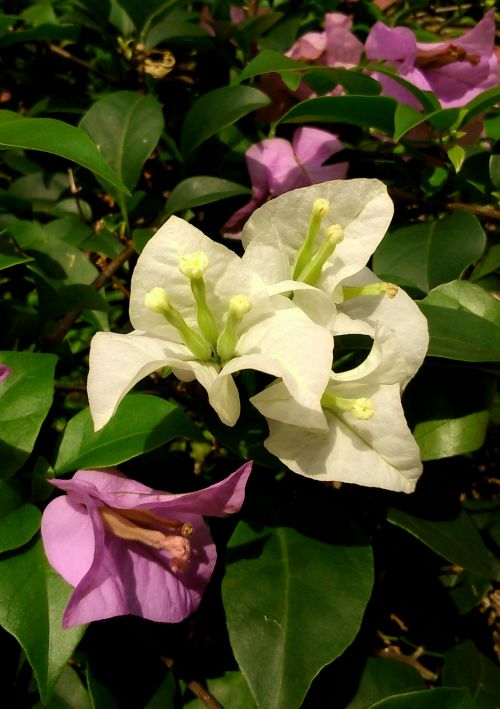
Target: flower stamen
column 362, row 409
column 193, row 266
column 390, row 289
column 157, row 301
column 320, row 208
column 239, row 306
column 121, row 523
column 311, row 273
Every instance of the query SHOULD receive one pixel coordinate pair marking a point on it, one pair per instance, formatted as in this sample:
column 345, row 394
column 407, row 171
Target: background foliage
column 116, row 114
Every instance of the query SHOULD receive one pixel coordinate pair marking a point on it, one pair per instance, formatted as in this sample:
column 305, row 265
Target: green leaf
column 293, row 604
column 51, row 136
column 196, row 191
column 438, row 698
column 495, row 170
column 218, row 109
column 424, row 255
column 456, row 540
column 69, row 693
column 271, row 61
column 140, row 424
column 230, row 690
column 381, row 678
column 177, row 24
column 127, row 127
column 427, row 99
column 33, row 601
column 139, row 11
column 457, row 156
column 481, row 103
column 490, row 263
column 10, row 253
column 454, row 420
column 463, row 322
column 18, row 527
column 365, row 111
column 465, row 666
column 25, row 399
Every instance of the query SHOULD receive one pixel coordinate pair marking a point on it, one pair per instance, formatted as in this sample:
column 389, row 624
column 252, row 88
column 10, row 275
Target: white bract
column 315, row 242
column 364, row 439
column 197, row 308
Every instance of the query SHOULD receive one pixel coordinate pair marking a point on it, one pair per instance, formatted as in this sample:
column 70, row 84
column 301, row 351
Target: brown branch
column 197, row 689
column 58, row 333
column 481, row 210
column 56, row 49
column 392, row 652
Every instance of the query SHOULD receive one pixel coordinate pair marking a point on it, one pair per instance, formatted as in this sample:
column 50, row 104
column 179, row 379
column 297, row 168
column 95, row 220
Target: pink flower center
column 436, row 58
column 152, row 530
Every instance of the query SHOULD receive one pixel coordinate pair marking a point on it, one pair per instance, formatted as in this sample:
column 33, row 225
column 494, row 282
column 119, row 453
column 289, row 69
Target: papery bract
column 365, row 439
column 456, row 70
column 129, row 549
column 274, row 335
column 276, row 166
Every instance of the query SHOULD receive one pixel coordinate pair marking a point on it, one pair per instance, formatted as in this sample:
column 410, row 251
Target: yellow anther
column 193, row 265
column 321, row 207
column 335, row 234
column 157, row 300
column 239, row 306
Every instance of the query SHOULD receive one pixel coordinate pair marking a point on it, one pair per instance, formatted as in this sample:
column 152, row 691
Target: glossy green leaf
column 428, row 101
column 438, row 698
column 127, row 127
column 52, row 136
column 382, row 678
column 278, row 583
column 456, row 540
column 42, row 33
column 457, row 156
column 230, row 690
column 18, row 527
column 465, row 666
column 218, row 109
column 365, row 111
column 463, row 322
column 270, row 61
column 69, row 693
column 481, row 103
column 25, row 399
column 33, row 601
column 454, row 420
column 199, row 190
column 424, row 255
column 490, row 263
column 141, row 423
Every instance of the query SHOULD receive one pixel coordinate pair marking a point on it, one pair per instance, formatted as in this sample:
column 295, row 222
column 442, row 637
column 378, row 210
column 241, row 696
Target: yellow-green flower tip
column 239, row 306
column 362, row 409
column 193, row 265
column 321, row 207
column 335, row 234
column 157, row 300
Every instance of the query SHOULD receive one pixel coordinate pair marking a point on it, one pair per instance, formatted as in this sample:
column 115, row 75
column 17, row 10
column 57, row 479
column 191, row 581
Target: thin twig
column 197, row 689
column 62, row 386
column 58, row 333
column 56, row 49
column 481, row 210
column 392, row 652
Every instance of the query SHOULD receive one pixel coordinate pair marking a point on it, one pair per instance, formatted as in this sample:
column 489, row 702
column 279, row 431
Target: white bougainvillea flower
column 318, row 235
column 365, row 440
column 400, row 314
column 198, row 309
